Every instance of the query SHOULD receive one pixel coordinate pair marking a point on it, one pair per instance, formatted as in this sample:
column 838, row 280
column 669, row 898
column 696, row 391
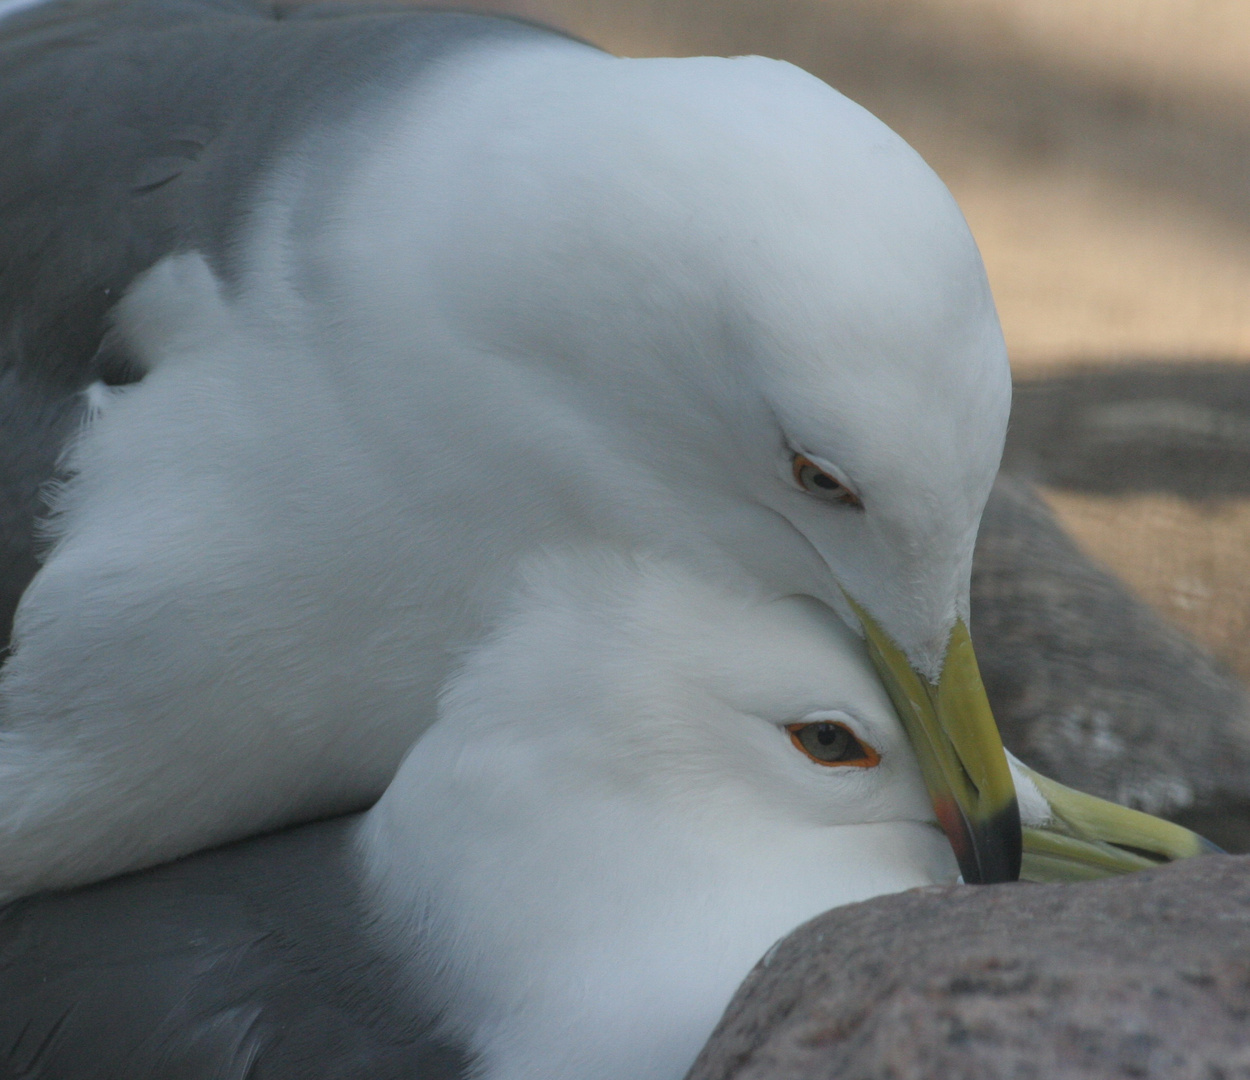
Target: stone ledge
column 1145, row 976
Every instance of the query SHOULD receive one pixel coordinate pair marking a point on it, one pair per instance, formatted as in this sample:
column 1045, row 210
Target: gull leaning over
column 638, row 782
column 357, row 312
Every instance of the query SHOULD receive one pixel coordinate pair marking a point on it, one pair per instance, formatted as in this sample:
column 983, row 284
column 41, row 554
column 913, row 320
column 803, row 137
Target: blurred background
column 1101, row 152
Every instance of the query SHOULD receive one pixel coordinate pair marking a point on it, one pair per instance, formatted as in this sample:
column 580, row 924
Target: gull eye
column 815, row 481
column 829, row 743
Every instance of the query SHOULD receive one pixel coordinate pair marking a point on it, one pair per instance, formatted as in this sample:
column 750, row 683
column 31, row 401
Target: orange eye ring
column 815, row 481
column 833, row 745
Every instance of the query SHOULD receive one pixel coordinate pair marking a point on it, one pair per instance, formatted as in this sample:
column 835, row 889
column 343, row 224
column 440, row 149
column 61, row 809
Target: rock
column 1143, row 976
column 1088, row 683
column 1090, row 686
column 1145, row 427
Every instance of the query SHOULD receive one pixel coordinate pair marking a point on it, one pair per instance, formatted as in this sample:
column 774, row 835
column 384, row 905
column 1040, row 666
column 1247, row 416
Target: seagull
column 640, row 782
column 319, row 324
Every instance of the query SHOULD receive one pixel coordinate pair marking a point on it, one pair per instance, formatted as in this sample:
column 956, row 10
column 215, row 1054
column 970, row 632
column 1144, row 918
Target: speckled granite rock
column 1090, row 686
column 1146, row 976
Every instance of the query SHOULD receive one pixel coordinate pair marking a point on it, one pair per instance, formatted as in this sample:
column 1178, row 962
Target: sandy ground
column 1101, row 152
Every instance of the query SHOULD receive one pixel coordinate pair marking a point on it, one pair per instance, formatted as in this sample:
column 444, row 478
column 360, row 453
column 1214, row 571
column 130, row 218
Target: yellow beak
column 1075, row 837
column 1086, row 837
column 961, row 755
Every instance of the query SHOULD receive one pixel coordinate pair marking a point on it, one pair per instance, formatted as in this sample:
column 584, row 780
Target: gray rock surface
column 1090, row 686
column 1146, row 976
column 1146, row 427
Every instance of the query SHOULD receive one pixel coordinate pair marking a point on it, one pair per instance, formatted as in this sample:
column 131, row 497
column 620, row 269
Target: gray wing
column 248, row 961
column 133, row 128
column 130, row 129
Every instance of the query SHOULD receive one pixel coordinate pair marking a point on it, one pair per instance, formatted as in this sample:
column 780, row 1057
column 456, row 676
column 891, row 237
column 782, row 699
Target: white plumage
column 539, row 296
column 623, row 423
column 609, row 824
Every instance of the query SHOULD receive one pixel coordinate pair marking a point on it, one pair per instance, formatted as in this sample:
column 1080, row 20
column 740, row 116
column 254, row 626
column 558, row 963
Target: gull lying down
column 639, row 782
column 367, row 309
